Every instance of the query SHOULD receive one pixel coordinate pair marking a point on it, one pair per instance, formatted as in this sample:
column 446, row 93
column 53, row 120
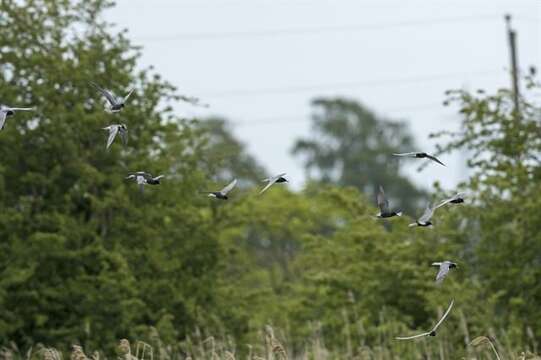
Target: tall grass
column 272, row 347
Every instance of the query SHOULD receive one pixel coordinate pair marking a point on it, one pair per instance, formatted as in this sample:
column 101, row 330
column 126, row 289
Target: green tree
column 503, row 230
column 84, row 256
column 351, row 146
column 225, row 156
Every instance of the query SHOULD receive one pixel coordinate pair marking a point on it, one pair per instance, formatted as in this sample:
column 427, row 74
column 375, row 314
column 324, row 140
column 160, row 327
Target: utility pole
column 512, row 37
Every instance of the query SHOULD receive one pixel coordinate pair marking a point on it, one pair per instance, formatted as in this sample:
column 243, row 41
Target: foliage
column 226, row 156
column 85, row 258
column 352, row 146
column 505, row 147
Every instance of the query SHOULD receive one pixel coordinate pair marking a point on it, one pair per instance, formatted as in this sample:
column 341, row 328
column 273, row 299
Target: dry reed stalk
column 531, row 335
column 77, row 353
column 480, row 340
column 349, row 346
column 213, row 353
column 200, row 343
column 276, row 348
column 143, row 346
column 124, row 349
column 529, row 356
column 464, row 326
column 29, row 353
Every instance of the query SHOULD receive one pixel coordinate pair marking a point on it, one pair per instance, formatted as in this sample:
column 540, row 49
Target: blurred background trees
column 85, row 258
column 352, row 146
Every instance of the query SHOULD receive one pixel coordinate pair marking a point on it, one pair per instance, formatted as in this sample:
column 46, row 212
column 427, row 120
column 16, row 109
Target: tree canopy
column 352, row 146
column 86, row 258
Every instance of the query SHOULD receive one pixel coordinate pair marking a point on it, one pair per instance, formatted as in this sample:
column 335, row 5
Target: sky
column 259, row 63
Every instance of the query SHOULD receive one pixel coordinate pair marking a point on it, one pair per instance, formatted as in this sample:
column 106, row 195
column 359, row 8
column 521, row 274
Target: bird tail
column 399, row 213
column 412, row 224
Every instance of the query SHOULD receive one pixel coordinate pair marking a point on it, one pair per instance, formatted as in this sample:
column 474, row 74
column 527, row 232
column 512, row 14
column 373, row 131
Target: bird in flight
column 115, row 129
column 6, row 111
column 222, row 194
column 420, row 155
column 431, row 332
column 272, row 180
column 143, row 178
column 116, row 103
column 444, row 269
column 424, row 220
column 455, row 199
column 383, row 204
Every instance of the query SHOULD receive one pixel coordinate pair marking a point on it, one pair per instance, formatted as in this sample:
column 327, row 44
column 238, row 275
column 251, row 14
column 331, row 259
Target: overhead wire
column 317, row 29
column 298, row 118
column 345, row 84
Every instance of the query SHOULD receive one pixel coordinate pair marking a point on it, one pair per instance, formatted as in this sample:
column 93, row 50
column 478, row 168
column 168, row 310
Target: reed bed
column 273, row 347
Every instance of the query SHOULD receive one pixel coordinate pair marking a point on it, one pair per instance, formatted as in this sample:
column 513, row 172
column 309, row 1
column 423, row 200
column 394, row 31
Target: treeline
column 86, row 258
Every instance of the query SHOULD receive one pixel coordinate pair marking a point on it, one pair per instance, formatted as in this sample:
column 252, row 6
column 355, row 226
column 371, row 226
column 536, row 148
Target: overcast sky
column 260, row 62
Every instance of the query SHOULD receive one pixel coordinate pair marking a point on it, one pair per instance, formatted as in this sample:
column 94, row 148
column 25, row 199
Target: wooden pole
column 512, row 38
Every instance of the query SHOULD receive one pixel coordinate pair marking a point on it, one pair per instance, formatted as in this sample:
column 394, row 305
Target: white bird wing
column 442, row 273
column 410, row 154
column 412, row 337
column 3, row 116
column 452, row 198
column 436, row 263
column 113, row 130
column 22, row 109
column 429, row 211
column 461, row 195
column 124, row 136
column 445, row 202
column 229, row 187
column 108, row 94
column 141, row 179
column 128, row 95
column 383, row 203
column 444, row 316
column 271, row 182
column 433, row 158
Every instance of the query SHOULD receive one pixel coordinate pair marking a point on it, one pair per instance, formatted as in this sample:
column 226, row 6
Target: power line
column 314, row 30
column 347, row 84
column 306, row 117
